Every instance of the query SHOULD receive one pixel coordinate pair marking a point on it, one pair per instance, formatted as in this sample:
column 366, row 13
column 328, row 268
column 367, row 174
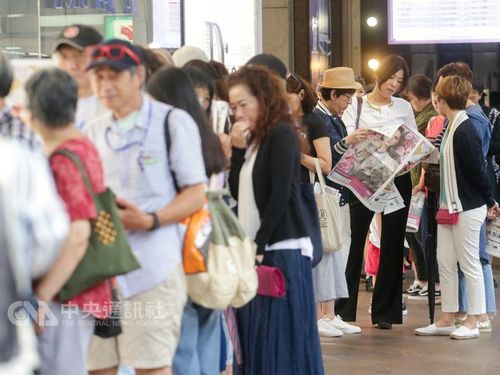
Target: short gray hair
column 6, row 75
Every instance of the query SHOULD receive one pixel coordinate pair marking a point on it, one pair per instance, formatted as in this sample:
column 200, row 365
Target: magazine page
column 369, row 167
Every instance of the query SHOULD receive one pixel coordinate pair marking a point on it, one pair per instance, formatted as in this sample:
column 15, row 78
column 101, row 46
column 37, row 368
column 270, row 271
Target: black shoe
column 369, row 284
column 384, row 325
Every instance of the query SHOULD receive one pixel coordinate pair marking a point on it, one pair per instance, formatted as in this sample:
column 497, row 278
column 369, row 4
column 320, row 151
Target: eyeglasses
column 293, row 83
column 114, row 52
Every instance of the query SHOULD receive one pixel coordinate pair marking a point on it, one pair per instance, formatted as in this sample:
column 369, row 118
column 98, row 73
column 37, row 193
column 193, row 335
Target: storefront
column 229, row 31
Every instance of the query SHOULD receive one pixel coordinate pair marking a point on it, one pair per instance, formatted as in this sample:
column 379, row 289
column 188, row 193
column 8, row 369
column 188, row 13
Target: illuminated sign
column 105, row 5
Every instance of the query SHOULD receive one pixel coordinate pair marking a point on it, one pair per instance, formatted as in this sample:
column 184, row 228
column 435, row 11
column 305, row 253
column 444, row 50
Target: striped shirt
column 12, row 127
column 137, row 168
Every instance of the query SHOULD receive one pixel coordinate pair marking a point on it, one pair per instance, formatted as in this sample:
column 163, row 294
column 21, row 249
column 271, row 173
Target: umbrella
column 431, row 245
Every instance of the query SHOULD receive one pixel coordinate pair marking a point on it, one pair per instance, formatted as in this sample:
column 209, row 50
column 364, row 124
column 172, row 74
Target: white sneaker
column 484, row 327
column 338, row 323
column 464, row 333
column 325, row 329
column 433, row 330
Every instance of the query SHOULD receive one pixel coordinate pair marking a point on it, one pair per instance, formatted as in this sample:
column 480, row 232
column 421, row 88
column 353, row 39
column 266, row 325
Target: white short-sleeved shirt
column 385, row 118
column 141, row 173
column 87, row 109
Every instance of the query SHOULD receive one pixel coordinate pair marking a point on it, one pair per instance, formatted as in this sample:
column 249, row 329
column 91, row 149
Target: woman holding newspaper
column 465, row 199
column 383, row 112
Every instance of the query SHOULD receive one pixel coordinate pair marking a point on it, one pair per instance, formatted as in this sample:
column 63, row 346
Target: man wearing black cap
column 69, row 53
column 131, row 142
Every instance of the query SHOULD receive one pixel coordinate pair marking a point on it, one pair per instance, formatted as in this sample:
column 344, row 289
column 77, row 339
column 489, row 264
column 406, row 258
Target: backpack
column 218, row 258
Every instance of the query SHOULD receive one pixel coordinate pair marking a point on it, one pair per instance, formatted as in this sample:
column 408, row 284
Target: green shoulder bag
column 108, row 253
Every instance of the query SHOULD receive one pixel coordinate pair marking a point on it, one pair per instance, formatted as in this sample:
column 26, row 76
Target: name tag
column 150, row 159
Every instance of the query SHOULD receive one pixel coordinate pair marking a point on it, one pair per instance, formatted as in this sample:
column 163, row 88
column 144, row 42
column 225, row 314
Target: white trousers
column 460, row 243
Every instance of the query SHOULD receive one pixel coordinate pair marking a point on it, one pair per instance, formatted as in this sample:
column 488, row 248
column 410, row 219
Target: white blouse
column 248, row 214
column 386, row 118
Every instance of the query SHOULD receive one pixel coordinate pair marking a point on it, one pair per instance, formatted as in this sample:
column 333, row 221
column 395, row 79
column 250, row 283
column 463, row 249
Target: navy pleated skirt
column 279, row 336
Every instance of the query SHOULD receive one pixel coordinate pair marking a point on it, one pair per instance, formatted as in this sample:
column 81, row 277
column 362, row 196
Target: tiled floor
column 399, row 351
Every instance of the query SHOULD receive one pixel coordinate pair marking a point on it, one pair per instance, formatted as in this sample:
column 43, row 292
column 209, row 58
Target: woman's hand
column 39, row 321
column 239, row 134
column 417, row 188
column 225, row 141
column 493, row 211
column 357, row 136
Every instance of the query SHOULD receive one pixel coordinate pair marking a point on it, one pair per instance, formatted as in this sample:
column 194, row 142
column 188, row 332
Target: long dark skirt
column 279, row 336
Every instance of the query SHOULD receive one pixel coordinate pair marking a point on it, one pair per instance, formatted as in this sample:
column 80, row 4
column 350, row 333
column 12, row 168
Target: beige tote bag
column 328, row 202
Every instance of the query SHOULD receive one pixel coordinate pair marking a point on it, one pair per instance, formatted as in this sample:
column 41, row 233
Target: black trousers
column 386, row 302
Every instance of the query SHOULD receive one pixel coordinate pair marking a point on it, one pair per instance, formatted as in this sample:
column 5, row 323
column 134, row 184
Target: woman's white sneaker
column 338, row 323
column 484, row 327
column 465, row 333
column 325, row 329
column 433, row 330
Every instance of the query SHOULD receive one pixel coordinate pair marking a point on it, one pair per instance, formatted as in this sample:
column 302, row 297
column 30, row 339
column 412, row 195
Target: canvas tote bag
column 328, row 202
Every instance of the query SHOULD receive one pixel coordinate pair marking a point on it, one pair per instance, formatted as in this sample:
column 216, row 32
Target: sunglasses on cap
column 114, row 52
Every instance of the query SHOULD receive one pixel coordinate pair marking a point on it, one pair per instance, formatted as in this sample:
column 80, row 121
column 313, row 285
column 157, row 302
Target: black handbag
column 111, row 326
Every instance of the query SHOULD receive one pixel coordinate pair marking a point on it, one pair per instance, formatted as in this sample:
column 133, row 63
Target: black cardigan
column 474, row 189
column 276, row 186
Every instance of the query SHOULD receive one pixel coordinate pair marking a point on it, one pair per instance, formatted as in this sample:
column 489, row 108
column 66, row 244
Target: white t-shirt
column 389, row 117
column 86, row 110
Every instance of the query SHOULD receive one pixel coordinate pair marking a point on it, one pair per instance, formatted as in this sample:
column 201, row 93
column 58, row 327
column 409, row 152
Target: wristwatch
column 156, row 221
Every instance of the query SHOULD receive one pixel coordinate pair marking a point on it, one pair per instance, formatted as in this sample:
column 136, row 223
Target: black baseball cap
column 118, row 54
column 478, row 85
column 77, row 36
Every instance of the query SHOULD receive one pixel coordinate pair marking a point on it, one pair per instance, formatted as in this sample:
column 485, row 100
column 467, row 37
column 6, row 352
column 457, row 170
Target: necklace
column 378, row 107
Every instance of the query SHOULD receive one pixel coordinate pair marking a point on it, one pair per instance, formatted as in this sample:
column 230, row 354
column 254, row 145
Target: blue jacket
column 482, row 125
column 337, row 131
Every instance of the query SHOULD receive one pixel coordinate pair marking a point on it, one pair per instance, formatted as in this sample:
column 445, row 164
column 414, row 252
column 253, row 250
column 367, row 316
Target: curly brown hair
column 269, row 91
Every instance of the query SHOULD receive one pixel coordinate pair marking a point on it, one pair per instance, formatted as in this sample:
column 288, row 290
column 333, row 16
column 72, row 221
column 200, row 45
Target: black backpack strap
column 358, row 114
column 79, row 165
column 168, row 144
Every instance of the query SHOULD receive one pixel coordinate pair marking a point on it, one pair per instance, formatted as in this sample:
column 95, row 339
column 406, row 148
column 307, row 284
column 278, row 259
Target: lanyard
column 129, row 145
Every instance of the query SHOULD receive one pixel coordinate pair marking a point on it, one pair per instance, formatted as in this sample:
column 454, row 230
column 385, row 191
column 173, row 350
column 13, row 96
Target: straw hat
column 188, row 53
column 339, row 78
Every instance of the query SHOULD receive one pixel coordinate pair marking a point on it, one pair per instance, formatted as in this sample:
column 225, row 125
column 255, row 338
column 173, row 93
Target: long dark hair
column 172, row 86
column 201, row 75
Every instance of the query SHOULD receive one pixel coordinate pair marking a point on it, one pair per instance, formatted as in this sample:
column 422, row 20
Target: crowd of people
column 156, row 129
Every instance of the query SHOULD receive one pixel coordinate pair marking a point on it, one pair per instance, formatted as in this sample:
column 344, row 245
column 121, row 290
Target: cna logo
column 23, row 313
column 323, row 221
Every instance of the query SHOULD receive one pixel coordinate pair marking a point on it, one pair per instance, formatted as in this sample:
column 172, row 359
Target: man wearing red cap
column 144, row 174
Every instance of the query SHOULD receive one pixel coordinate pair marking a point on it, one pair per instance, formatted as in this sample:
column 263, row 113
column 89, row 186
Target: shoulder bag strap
column 78, row 164
column 168, row 143
column 358, row 110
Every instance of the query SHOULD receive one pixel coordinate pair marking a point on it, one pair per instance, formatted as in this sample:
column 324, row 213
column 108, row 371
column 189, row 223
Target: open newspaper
column 369, row 167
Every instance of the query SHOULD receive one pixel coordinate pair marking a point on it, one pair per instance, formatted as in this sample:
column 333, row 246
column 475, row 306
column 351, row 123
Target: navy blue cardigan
column 337, row 131
column 474, row 189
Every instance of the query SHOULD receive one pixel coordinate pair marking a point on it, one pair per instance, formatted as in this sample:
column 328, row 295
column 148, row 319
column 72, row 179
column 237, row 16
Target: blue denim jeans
column 489, row 288
column 198, row 352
